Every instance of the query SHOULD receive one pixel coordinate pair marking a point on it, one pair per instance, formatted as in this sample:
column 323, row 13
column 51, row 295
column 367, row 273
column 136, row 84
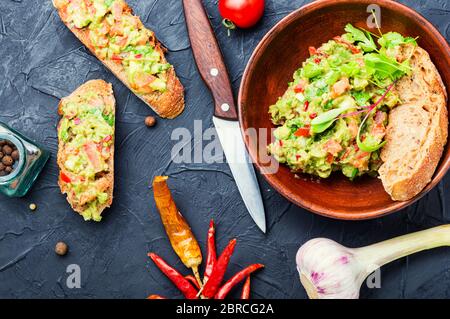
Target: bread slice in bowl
column 86, row 148
column 417, row 130
column 118, row 38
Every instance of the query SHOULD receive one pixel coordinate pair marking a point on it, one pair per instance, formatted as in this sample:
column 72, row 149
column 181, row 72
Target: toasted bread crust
column 422, row 93
column 168, row 104
column 104, row 89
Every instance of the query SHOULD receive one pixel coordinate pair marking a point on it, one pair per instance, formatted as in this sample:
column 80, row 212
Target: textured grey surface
column 42, row 62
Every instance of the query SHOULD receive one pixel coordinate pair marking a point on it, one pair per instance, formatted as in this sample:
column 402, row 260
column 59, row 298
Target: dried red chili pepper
column 177, row 279
column 153, row 297
column 178, row 230
column 193, row 281
column 233, row 281
column 212, row 255
column 212, row 285
column 246, row 289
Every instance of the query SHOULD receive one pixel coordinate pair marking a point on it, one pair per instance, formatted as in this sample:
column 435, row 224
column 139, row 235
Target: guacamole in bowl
column 333, row 116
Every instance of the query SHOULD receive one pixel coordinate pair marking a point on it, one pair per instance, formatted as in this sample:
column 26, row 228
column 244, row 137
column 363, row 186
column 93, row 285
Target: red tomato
column 303, row 131
column 243, row 13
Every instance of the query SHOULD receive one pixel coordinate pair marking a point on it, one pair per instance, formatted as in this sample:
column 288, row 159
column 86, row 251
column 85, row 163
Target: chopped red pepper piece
column 303, row 131
column 138, row 56
column 317, row 60
column 312, row 116
column 116, row 58
column 306, row 106
column 299, row 88
column 64, row 177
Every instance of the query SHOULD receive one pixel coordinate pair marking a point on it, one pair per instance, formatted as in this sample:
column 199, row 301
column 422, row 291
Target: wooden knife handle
column 209, row 58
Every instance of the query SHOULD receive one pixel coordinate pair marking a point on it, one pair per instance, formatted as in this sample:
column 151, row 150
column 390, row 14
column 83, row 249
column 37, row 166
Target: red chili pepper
column 312, row 116
column 299, row 88
column 317, row 60
column 177, row 279
column 297, row 157
column 303, row 131
column 212, row 285
column 306, row 106
column 281, row 142
column 193, row 281
column 312, row 51
column 138, row 56
column 225, row 289
column 154, row 297
column 212, row 255
column 64, row 177
column 116, row 58
column 246, row 289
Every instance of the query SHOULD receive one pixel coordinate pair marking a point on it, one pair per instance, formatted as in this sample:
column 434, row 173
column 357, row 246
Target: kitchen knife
column 212, row 68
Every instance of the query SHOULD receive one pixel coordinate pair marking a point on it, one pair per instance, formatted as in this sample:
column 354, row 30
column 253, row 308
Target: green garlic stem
column 377, row 255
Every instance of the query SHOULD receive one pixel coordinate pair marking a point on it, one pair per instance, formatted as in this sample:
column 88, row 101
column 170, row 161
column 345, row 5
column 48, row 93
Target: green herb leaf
column 325, row 120
column 393, row 39
column 365, row 40
column 369, row 145
column 361, row 97
column 384, row 67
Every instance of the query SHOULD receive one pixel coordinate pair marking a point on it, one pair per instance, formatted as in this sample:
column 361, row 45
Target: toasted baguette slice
column 417, row 130
column 86, row 94
column 167, row 104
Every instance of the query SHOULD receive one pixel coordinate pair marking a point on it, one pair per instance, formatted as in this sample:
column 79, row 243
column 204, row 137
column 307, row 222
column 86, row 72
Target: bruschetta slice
column 127, row 48
column 86, row 148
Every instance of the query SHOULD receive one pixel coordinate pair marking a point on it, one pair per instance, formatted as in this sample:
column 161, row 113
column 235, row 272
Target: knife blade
column 209, row 60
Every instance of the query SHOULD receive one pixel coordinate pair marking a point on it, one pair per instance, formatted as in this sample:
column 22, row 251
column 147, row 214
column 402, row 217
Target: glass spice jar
column 26, row 166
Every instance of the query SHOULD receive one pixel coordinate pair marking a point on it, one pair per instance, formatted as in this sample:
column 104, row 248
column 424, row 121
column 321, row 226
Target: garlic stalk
column 329, row 270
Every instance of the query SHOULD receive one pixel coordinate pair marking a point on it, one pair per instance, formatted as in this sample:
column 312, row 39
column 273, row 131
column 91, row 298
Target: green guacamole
column 333, row 116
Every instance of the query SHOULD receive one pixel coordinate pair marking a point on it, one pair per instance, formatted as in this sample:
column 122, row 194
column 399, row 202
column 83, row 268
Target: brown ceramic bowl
column 269, row 70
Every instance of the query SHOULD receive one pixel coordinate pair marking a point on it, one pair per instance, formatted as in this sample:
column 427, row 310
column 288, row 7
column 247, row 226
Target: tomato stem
column 229, row 25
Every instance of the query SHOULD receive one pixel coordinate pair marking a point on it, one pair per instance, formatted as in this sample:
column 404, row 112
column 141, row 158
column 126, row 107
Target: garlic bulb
column 329, row 270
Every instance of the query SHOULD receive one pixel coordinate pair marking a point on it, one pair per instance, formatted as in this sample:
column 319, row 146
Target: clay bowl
column 269, row 70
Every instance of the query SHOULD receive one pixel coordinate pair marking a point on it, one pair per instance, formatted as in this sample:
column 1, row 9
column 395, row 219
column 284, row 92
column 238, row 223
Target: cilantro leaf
column 364, row 40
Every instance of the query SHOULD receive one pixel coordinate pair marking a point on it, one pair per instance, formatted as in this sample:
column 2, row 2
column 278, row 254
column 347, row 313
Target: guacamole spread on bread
column 86, row 135
column 115, row 34
column 333, row 116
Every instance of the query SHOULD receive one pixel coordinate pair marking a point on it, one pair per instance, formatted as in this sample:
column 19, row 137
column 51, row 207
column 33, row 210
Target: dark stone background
column 42, row 62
